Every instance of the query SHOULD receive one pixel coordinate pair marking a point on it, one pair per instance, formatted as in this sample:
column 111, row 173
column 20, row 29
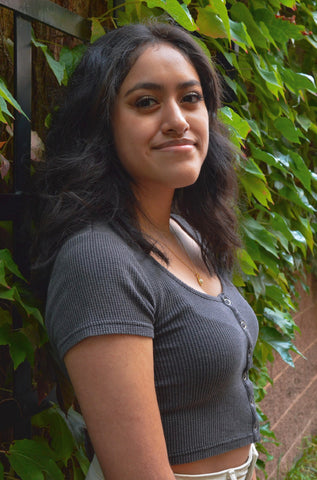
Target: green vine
column 265, row 53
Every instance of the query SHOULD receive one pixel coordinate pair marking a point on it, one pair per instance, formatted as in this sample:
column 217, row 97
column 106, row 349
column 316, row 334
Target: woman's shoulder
column 94, row 243
column 94, row 233
column 97, row 287
column 96, row 253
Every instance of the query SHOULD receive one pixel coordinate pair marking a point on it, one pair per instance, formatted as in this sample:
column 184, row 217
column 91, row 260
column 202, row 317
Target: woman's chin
column 186, row 180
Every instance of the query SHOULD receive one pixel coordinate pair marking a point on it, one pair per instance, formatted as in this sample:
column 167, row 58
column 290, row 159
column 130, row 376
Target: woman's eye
column 145, row 102
column 192, row 97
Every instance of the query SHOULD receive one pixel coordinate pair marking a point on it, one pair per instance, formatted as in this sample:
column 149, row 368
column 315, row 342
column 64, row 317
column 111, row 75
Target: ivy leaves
column 37, row 459
column 68, row 60
column 6, row 97
column 24, row 341
column 31, row 460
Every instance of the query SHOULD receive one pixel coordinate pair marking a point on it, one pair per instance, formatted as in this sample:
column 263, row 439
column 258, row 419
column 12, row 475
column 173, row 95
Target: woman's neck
column 154, row 212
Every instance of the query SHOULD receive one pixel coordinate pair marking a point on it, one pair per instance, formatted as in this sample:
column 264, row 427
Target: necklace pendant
column 199, row 279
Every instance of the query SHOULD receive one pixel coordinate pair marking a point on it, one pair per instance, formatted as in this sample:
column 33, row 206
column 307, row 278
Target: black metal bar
column 10, row 205
column 21, row 178
column 22, row 134
column 14, row 206
column 51, row 14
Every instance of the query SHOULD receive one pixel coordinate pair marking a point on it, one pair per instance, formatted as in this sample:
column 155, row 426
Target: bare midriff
column 231, row 459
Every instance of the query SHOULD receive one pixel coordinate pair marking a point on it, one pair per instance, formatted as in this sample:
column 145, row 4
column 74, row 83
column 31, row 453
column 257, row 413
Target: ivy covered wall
column 265, row 52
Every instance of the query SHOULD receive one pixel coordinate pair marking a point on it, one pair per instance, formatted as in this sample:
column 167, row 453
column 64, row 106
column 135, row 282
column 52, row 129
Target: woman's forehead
column 159, row 62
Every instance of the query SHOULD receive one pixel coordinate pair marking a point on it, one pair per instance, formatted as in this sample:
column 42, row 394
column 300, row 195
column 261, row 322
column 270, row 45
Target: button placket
column 226, row 300
column 245, row 376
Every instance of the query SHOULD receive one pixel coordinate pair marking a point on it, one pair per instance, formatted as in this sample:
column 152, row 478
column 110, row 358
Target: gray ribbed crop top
column 202, row 344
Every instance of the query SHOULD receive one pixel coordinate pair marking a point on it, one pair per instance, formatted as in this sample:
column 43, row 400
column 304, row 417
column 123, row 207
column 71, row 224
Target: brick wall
column 291, row 403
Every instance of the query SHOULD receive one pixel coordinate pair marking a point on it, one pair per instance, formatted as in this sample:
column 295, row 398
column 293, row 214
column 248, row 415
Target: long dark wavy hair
column 83, row 179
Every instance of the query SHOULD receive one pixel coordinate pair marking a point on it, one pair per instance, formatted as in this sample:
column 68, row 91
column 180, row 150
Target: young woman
column 138, row 236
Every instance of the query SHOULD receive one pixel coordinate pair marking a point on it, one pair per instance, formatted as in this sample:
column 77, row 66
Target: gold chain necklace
column 200, row 281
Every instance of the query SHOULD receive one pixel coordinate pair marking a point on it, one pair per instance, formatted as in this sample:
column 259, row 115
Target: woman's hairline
column 156, row 41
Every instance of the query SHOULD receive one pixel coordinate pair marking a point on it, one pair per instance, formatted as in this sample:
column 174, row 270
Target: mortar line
column 274, row 472
column 288, row 366
column 300, row 435
column 295, row 401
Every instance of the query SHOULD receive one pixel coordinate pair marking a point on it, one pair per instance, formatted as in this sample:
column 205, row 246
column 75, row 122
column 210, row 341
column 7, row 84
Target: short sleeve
column 97, row 287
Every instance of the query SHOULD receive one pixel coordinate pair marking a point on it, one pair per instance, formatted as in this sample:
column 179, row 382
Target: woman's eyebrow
column 157, row 86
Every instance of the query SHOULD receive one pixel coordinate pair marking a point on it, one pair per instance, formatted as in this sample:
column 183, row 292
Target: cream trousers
column 244, row 472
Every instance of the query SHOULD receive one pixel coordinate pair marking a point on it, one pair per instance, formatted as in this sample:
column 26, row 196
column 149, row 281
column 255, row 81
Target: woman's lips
column 176, row 145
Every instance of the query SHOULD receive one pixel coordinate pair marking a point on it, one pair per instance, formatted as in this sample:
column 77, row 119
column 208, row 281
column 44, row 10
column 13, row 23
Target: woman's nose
column 174, row 120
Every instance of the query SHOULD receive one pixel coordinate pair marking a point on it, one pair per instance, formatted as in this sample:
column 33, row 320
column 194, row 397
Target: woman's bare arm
column 113, row 378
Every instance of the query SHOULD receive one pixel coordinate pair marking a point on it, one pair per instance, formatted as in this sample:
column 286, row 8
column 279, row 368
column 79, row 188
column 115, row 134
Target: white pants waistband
column 243, row 472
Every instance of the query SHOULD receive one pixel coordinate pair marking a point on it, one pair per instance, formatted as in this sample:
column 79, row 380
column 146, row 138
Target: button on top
column 243, row 324
column 227, row 300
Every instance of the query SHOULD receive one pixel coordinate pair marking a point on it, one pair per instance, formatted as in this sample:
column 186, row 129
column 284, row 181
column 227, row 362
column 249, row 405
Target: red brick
column 291, row 403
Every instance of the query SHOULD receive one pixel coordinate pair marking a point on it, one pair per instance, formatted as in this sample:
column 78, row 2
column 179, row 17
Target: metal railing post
column 22, row 134
column 14, row 206
column 21, row 226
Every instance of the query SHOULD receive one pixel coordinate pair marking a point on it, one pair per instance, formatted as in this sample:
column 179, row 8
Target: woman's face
column 161, row 121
